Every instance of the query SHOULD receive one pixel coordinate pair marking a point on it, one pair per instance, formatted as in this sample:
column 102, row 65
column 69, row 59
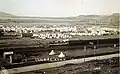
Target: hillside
column 3, row 14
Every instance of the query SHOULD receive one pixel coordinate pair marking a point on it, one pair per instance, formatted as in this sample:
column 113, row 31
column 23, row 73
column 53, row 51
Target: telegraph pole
column 84, row 52
column 94, row 50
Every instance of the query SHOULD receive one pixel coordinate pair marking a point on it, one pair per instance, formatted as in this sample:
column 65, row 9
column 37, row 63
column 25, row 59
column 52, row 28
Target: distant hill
column 4, row 14
column 114, row 19
column 84, row 19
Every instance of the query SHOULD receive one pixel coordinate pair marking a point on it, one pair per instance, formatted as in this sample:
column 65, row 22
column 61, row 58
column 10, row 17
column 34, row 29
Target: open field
column 57, row 64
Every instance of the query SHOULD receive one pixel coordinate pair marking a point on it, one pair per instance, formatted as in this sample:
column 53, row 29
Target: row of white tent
column 51, row 35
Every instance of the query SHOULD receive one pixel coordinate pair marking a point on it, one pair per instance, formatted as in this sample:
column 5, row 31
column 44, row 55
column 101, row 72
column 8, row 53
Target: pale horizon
column 59, row 8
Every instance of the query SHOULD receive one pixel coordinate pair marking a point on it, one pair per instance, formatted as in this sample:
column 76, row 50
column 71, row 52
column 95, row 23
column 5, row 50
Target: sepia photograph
column 59, row 36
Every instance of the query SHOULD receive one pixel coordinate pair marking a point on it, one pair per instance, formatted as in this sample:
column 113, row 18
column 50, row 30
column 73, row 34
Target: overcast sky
column 55, row 8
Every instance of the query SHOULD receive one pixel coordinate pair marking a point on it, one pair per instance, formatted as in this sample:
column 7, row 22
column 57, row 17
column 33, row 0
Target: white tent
column 52, row 53
column 61, row 55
